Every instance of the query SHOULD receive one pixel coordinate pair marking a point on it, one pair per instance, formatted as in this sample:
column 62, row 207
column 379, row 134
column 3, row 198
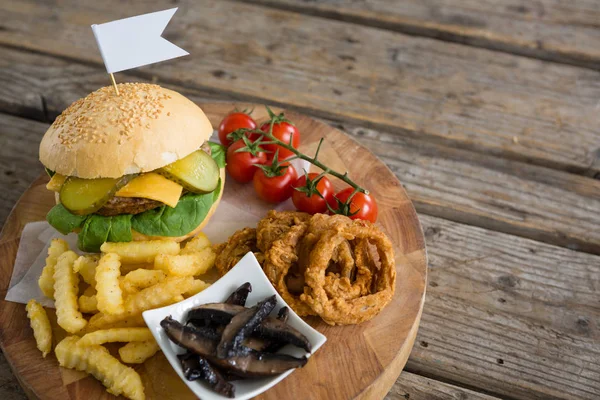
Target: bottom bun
column 137, row 236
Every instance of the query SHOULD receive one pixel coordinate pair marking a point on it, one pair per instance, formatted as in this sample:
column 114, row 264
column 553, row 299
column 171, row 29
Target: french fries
column 138, row 352
column 96, row 360
column 127, row 268
column 88, row 304
column 197, row 286
column 65, row 294
column 86, row 267
column 116, row 335
column 142, row 278
column 177, row 299
column 42, row 331
column 110, row 295
column 46, row 281
column 104, row 321
column 191, row 264
column 160, row 295
column 126, row 280
column 197, row 243
column 141, row 252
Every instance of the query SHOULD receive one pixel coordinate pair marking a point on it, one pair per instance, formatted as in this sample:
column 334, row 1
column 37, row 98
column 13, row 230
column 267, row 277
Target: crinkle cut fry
column 96, row 360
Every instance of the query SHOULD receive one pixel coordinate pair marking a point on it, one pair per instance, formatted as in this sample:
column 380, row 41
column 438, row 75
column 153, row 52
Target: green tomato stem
column 312, row 160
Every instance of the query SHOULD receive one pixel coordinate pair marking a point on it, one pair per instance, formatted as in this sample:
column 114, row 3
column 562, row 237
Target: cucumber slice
column 85, row 196
column 197, row 173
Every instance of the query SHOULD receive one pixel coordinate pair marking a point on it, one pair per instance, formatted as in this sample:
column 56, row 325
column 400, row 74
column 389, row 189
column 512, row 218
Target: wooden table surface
column 487, row 111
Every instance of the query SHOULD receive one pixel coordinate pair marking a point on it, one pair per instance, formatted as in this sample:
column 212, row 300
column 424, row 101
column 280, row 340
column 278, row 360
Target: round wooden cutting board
column 358, row 361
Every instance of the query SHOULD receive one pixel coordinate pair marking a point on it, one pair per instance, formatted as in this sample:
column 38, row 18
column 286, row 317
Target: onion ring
column 232, row 251
column 276, row 224
column 280, row 260
column 353, row 311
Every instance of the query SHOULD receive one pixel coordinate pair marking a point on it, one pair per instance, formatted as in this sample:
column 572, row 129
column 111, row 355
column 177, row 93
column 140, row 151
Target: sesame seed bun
column 107, row 136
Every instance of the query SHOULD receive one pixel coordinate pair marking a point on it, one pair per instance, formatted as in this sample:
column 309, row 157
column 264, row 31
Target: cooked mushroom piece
column 239, row 296
column 220, row 313
column 283, row 314
column 212, row 331
column 190, row 365
column 257, row 344
column 275, row 330
column 196, row 367
column 242, row 325
column 247, row 363
column 278, row 331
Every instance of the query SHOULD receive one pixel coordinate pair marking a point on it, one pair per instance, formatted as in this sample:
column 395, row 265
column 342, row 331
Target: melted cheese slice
column 56, row 182
column 152, row 186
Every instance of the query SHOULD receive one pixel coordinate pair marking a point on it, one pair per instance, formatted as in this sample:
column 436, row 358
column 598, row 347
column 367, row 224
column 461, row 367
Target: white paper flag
column 136, row 41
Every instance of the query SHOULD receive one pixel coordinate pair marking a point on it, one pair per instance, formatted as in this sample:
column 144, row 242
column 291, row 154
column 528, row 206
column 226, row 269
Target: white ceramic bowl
column 247, row 270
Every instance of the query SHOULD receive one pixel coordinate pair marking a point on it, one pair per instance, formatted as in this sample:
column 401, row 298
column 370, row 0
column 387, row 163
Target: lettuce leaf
column 63, row 221
column 98, row 229
column 181, row 220
column 218, row 152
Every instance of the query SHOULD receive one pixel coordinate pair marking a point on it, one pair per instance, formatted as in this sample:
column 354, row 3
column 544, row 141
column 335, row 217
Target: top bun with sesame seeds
column 105, row 135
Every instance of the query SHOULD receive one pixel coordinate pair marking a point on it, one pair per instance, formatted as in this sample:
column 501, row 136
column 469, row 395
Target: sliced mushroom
column 212, row 331
column 190, row 365
column 242, row 325
column 279, row 332
column 239, row 296
column 283, row 314
column 274, row 329
column 248, row 364
column 220, row 313
column 257, row 344
column 196, row 367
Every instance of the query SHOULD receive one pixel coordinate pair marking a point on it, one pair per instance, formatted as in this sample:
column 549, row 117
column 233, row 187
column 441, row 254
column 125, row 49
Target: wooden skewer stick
column 112, row 77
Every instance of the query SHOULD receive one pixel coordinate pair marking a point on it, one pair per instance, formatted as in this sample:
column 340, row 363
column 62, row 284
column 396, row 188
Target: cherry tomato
column 233, row 122
column 313, row 204
column 363, row 205
column 275, row 189
column 240, row 166
column 282, row 131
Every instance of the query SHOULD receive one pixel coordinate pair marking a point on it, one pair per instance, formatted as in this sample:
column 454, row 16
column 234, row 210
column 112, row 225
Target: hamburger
column 133, row 166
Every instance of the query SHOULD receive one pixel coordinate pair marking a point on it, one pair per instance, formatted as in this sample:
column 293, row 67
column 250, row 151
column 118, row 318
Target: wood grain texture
column 515, row 317
column 380, row 347
column 19, row 165
column 416, row 387
column 9, row 386
column 462, row 96
column 504, row 195
column 561, row 31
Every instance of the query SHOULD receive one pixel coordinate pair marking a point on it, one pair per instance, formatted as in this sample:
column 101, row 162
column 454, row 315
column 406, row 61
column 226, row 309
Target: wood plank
column 462, row 96
column 515, row 317
column 509, row 196
column 9, row 386
column 561, row 31
column 19, row 165
column 408, row 386
column 416, row 387
column 40, row 87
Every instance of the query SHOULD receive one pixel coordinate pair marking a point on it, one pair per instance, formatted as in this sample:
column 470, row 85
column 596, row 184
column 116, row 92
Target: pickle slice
column 197, row 172
column 85, row 196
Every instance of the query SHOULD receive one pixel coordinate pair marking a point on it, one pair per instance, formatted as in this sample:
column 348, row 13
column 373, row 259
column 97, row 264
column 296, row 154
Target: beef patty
column 127, row 205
